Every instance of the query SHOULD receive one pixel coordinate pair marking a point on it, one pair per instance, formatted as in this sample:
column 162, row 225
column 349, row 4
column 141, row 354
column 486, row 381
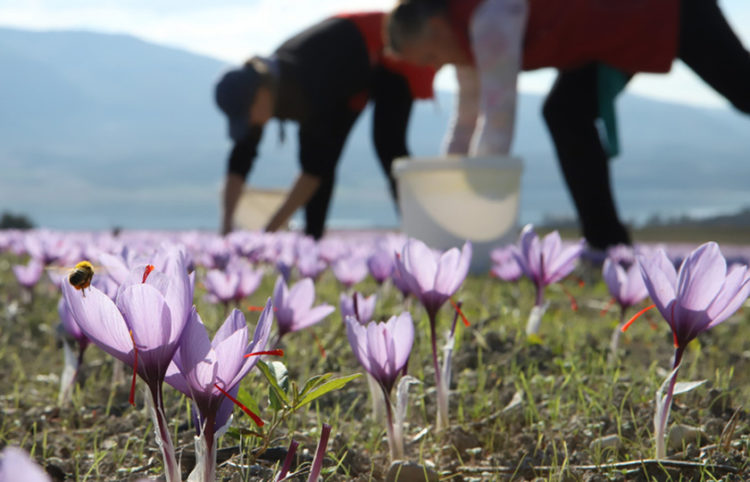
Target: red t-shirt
column 370, row 24
column 631, row 35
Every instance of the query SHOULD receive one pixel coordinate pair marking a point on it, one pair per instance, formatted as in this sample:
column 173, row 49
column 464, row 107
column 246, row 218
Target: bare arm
column 232, row 190
column 304, row 188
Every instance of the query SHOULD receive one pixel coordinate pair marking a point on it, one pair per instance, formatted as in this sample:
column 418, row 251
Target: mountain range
column 101, row 130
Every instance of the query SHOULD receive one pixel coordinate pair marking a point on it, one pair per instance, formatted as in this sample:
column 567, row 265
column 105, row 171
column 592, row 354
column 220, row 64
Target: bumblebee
column 80, row 276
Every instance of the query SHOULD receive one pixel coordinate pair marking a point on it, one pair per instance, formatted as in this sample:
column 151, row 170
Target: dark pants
column 706, row 44
column 391, row 110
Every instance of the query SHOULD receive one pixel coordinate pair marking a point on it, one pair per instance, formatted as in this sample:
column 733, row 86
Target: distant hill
column 98, row 130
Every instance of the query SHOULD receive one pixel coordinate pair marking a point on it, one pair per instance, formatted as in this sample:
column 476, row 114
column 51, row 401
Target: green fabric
column 610, row 82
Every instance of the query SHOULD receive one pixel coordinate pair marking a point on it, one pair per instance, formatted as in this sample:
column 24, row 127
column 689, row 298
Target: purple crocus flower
column 350, row 270
column 310, row 265
column 357, row 306
column 545, row 262
column 28, row 275
column 433, row 278
column 504, row 264
column 627, row 289
column 146, row 321
column 626, row 286
column 702, row 294
column 383, row 350
column 234, row 283
column 16, row 465
column 209, row 372
column 381, row 265
column 294, row 306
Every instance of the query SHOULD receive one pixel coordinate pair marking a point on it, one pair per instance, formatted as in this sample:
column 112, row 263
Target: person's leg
column 571, row 110
column 708, row 45
column 316, row 209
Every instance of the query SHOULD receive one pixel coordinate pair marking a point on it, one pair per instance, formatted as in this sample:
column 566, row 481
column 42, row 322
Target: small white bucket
column 256, row 206
column 445, row 201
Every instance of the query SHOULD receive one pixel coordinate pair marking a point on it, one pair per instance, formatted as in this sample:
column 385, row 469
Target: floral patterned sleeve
column 464, row 119
column 496, row 35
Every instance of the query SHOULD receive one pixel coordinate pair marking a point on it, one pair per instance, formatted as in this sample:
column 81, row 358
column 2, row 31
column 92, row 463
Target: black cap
column 234, row 95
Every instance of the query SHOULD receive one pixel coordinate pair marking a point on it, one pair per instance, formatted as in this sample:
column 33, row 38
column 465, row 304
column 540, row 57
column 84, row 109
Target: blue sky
column 234, row 29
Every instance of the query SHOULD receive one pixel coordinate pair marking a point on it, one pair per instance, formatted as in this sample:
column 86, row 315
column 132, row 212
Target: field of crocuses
column 369, row 356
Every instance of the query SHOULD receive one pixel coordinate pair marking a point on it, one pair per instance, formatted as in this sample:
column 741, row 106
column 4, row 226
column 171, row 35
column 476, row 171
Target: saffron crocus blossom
column 294, row 306
column 233, row 283
column 383, row 350
column 702, row 294
column 433, row 278
column 357, row 306
column 627, row 289
column 545, row 262
column 141, row 328
column 209, row 372
column 504, row 264
column 16, row 465
column 380, row 264
column 350, row 270
column 310, row 264
column 28, row 275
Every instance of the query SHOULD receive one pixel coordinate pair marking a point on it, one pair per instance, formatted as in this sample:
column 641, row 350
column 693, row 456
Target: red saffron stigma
column 320, row 345
column 460, row 313
column 606, row 308
column 131, row 399
column 635, row 317
column 258, row 308
column 278, row 352
column 147, row 271
column 573, row 302
column 249, row 412
column 674, row 337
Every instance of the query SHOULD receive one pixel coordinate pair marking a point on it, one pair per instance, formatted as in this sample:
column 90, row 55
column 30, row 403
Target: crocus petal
column 147, row 314
column 101, row 321
column 659, row 276
column 701, row 277
column 302, row 295
column 230, row 357
column 234, row 322
column 402, row 329
column 357, row 335
column 313, row 316
column 734, row 293
column 562, row 263
column 419, row 262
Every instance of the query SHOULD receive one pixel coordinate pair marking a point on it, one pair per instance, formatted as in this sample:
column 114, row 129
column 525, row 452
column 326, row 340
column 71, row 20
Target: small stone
column 682, row 435
column 607, row 442
column 403, row 471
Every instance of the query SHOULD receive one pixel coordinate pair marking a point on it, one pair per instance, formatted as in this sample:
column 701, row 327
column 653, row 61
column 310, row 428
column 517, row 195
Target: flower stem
column 663, row 416
column 442, row 393
column 163, row 438
column 614, row 342
column 395, row 441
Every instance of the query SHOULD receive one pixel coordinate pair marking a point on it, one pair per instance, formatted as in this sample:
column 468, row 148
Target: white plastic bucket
column 445, row 201
column 256, row 206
